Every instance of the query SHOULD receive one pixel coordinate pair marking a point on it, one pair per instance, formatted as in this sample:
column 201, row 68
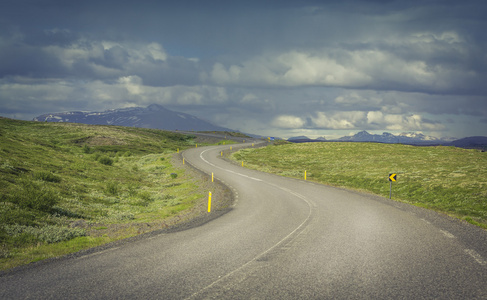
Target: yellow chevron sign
column 392, row 177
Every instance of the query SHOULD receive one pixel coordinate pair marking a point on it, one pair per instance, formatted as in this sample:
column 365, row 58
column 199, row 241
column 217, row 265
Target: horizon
column 327, row 137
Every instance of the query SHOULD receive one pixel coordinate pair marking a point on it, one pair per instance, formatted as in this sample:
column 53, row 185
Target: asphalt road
column 283, row 239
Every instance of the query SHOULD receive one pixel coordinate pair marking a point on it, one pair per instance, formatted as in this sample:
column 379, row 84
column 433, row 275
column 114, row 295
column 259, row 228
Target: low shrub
column 46, row 176
column 4, row 252
column 14, row 215
column 34, row 196
column 105, row 160
column 48, row 234
column 145, row 195
column 61, row 212
column 112, row 188
column 87, row 149
column 123, row 216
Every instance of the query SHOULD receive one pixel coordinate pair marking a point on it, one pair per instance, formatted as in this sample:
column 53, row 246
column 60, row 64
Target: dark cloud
column 115, row 58
column 25, row 60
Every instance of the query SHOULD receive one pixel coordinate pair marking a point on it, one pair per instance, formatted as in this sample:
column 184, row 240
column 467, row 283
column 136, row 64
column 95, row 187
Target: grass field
column 67, row 187
column 446, row 179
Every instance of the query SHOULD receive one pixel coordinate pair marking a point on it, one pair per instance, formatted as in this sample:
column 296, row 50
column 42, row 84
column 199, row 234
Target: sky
column 275, row 68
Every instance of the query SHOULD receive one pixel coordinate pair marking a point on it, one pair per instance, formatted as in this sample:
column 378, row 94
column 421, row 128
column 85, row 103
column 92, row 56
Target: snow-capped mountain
column 153, row 116
column 409, row 138
column 386, row 137
column 422, row 137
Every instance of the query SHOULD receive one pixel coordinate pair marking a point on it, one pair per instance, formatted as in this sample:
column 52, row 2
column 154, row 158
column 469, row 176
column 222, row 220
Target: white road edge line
column 447, row 234
column 478, row 258
column 233, row 172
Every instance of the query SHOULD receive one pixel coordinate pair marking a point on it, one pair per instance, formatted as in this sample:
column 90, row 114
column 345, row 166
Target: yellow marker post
column 178, row 150
column 304, row 174
column 221, row 153
column 242, row 163
column 183, row 161
column 209, row 201
column 230, row 147
column 196, row 146
column 211, row 176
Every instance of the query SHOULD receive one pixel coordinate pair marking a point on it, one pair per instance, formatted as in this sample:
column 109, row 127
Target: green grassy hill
column 66, row 187
column 447, row 179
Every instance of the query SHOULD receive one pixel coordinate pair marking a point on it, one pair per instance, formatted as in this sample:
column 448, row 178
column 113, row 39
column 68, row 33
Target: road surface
column 283, row 239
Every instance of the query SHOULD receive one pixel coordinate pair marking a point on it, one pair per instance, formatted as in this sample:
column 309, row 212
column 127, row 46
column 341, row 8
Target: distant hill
column 153, row 116
column 473, row 142
column 305, row 139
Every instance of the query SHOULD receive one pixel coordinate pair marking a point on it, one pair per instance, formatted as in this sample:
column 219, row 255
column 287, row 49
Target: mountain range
column 386, row 137
column 409, row 138
column 153, row 116
column 158, row 117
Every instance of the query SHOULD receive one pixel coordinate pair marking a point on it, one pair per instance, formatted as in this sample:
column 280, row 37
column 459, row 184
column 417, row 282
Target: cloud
column 288, row 122
column 133, row 84
column 156, row 52
column 340, row 120
column 288, row 69
column 96, row 60
column 255, row 103
column 356, row 100
column 382, row 68
column 373, row 120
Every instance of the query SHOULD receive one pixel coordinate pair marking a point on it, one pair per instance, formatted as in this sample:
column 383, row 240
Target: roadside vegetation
column 446, row 179
column 228, row 133
column 66, row 187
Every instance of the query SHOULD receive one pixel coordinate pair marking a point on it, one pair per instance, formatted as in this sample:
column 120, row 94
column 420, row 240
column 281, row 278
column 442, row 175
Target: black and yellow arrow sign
column 392, row 177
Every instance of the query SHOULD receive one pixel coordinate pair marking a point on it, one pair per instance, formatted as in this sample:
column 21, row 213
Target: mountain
column 298, row 138
column 408, row 138
column 153, row 116
column 389, row 138
column 305, row 139
column 420, row 136
column 473, row 142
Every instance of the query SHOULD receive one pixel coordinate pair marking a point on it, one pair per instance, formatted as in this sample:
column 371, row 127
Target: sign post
column 392, row 177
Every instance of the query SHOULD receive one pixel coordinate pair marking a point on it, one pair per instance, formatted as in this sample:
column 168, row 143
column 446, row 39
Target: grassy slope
column 66, row 187
column 446, row 179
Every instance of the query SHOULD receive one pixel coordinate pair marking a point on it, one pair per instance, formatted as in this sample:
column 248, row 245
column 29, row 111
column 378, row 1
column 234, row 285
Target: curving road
column 283, row 239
